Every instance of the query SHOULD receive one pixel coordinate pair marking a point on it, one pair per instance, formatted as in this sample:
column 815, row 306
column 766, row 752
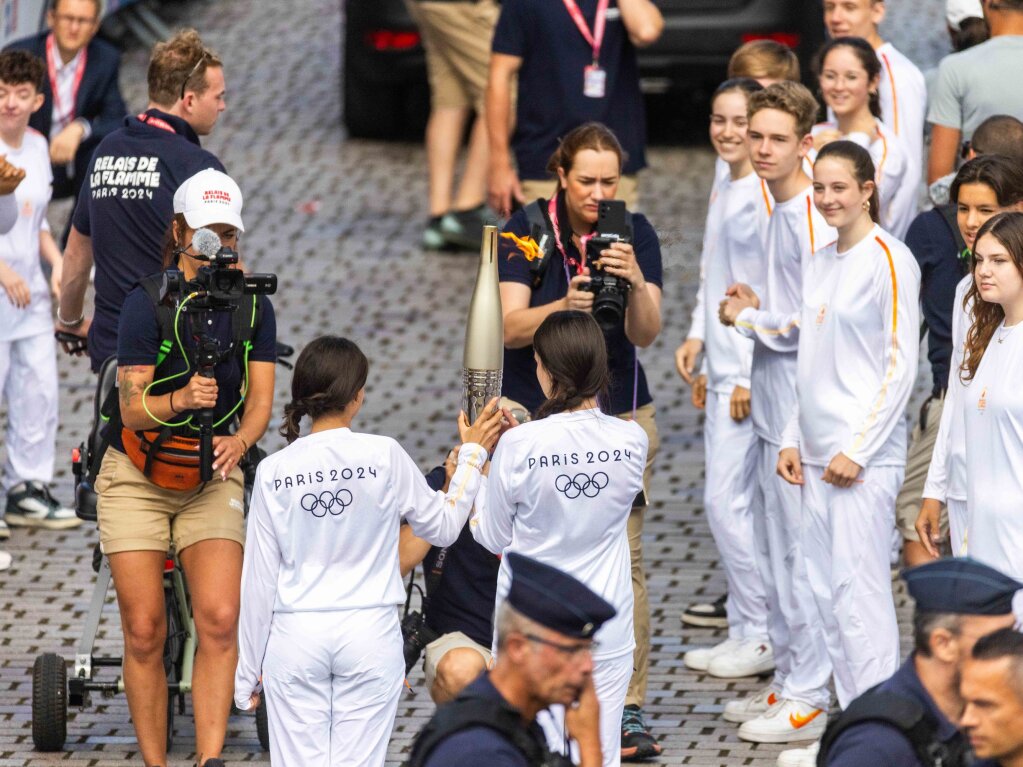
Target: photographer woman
column 320, row 586
column 560, row 491
column 145, row 507
column 588, row 166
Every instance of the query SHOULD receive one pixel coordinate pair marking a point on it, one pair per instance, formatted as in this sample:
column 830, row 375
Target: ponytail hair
column 329, row 374
column 868, row 59
column 862, row 167
column 572, row 349
column 591, row 135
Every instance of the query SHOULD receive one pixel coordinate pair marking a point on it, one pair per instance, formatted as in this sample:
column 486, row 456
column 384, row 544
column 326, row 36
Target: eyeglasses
column 72, row 21
column 191, row 74
column 571, row 650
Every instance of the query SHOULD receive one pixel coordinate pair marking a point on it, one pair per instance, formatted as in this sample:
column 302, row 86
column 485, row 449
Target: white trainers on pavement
column 786, row 722
column 750, row 658
column 30, row 504
column 750, row 707
column 5, row 560
column 5, row 531
column 699, row 659
column 799, row 757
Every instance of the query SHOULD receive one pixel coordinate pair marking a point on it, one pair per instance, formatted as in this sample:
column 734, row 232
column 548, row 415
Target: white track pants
column 611, row 678
column 727, row 498
column 28, row 378
column 332, row 683
column 846, row 536
column 802, row 666
column 957, row 520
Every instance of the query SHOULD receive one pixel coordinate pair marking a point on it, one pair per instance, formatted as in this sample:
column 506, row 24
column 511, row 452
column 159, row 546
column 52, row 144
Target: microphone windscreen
column 206, row 242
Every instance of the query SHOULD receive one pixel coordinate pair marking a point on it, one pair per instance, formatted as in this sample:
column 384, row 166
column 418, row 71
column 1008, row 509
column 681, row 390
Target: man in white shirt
column 903, row 90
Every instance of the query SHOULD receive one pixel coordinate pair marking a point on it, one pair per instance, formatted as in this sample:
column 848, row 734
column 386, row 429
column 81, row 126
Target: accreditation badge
column 594, row 82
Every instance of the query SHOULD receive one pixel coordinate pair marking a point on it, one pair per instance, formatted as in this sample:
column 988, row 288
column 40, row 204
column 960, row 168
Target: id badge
column 594, row 82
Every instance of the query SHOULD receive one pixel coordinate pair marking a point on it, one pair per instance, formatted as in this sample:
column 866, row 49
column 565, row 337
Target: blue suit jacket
column 99, row 101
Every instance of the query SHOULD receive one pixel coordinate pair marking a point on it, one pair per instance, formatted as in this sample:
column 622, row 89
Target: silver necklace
column 1002, row 336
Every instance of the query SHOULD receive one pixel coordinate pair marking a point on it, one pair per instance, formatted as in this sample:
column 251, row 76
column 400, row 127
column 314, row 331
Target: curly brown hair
column 17, row 67
column 1007, row 228
column 177, row 64
column 791, row 98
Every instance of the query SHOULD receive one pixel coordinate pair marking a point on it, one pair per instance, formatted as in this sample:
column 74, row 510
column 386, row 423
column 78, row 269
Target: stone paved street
column 339, row 220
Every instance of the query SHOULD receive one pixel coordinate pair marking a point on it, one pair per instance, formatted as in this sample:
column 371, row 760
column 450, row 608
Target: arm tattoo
column 128, row 387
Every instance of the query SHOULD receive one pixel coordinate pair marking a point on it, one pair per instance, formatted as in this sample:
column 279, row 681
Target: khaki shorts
column 438, row 648
column 628, row 190
column 456, row 36
column 918, row 462
column 136, row 515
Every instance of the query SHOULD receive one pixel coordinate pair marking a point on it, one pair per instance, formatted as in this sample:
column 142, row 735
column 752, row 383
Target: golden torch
column 484, row 333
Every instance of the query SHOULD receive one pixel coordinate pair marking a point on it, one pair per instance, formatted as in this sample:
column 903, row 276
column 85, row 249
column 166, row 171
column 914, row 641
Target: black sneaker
column 707, row 615
column 30, row 504
column 464, row 228
column 212, row 763
column 637, row 742
column 433, row 237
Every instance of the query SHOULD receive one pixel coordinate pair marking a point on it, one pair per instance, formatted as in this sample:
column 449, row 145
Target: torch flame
column 526, row 244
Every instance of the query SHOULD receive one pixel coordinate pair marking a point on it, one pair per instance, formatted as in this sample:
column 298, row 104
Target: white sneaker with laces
column 30, row 504
column 700, row 659
column 751, row 706
column 800, row 757
column 750, row 658
column 786, row 722
column 5, row 560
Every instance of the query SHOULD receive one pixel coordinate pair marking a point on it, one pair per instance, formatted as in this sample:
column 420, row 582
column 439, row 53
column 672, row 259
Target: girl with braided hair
column 319, row 630
column 560, row 491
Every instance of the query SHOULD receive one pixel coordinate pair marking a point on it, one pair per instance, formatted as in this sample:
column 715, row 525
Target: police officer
column 545, row 631
column 911, row 718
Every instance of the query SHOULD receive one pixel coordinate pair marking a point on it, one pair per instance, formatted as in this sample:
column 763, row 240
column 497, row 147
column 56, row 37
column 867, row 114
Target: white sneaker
column 799, row 757
column 750, row 707
column 5, row 531
column 699, row 659
column 749, row 658
column 5, row 560
column 789, row 721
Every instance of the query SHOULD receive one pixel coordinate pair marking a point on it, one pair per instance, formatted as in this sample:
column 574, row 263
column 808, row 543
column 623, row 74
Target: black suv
column 385, row 92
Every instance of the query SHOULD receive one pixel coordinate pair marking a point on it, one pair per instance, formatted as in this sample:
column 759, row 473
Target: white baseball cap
column 958, row 11
column 209, row 197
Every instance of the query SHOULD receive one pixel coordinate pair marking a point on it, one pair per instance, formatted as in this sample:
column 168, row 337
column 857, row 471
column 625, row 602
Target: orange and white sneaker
column 750, row 707
column 787, row 721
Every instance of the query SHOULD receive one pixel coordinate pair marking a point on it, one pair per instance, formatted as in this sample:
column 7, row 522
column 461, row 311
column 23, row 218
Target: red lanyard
column 552, row 212
column 51, row 65
column 156, row 122
column 597, row 36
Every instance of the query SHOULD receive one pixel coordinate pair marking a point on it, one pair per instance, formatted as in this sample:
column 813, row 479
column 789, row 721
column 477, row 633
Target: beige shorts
column 628, row 190
column 438, row 648
column 456, row 36
column 918, row 462
column 136, row 515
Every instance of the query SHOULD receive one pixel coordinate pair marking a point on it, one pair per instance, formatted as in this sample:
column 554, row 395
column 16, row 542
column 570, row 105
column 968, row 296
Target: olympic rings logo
column 326, row 501
column 581, row 484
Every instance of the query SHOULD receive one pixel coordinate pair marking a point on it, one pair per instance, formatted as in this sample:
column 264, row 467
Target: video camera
column 219, row 285
column 610, row 293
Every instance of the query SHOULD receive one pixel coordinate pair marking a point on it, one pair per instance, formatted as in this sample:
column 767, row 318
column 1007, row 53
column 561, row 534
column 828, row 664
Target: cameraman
column 588, row 163
column 146, row 507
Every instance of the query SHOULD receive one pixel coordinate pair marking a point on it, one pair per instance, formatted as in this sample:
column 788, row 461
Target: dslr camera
column 610, row 293
column 220, row 285
column 415, row 635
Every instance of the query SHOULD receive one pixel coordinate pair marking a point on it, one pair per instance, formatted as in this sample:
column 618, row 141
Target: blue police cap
column 963, row 586
column 555, row 599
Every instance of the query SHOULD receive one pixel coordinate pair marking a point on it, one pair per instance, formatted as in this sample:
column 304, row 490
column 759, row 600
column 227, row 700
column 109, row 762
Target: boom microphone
column 206, row 243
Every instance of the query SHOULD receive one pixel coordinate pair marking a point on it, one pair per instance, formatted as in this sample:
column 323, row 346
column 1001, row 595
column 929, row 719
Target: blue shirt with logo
column 551, row 101
column 126, row 206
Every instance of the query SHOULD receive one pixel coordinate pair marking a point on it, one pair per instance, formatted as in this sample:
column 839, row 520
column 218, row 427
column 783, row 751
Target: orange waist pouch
column 168, row 461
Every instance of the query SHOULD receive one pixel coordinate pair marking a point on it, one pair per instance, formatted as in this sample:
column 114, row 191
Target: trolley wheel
column 49, row 702
column 263, row 724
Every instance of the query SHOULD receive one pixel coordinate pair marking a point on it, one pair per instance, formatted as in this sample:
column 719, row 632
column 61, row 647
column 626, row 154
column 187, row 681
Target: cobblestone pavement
column 338, row 221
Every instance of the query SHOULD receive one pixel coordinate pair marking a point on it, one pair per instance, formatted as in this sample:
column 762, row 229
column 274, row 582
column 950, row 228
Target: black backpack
column 472, row 710
column 906, row 715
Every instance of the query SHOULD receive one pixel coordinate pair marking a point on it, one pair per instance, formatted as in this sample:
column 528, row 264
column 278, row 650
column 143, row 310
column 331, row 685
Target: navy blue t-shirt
column 551, row 101
column 126, row 206
column 519, row 381
column 138, row 342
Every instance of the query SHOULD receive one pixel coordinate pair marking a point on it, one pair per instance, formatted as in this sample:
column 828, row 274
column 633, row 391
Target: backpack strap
column 904, row 714
column 470, row 710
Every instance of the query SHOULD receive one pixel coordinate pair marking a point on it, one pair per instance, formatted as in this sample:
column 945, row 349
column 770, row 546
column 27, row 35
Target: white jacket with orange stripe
column 795, row 230
column 859, row 343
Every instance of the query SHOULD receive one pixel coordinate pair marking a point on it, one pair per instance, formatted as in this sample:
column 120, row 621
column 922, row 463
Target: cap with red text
column 209, row 197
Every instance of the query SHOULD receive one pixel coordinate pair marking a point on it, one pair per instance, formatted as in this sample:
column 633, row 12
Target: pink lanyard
column 597, row 36
column 51, row 65
column 156, row 122
column 552, row 212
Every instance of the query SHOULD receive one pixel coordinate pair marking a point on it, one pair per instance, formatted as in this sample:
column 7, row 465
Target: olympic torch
column 484, row 333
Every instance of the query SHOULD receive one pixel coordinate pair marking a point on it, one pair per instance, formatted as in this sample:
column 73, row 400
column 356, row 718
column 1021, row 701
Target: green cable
column 177, row 337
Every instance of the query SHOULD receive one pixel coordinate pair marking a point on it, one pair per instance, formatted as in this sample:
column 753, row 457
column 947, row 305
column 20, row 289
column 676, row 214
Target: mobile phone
column 611, row 218
column 75, row 344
